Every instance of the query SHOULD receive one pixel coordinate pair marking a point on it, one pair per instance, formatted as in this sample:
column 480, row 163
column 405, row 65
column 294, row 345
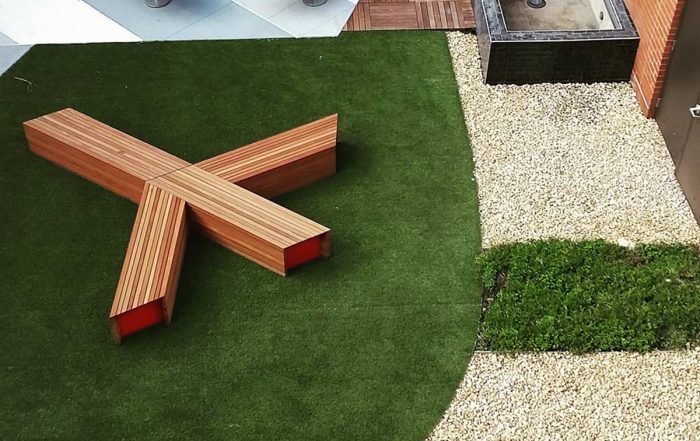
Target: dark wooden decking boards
column 373, row 15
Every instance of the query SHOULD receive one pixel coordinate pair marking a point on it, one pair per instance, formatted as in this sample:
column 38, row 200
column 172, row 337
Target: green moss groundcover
column 559, row 295
column 367, row 345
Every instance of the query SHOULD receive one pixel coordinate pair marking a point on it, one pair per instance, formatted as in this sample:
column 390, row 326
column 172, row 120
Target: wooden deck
column 373, row 15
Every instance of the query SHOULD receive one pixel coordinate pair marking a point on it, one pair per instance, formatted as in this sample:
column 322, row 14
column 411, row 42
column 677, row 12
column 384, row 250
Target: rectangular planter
column 558, row 55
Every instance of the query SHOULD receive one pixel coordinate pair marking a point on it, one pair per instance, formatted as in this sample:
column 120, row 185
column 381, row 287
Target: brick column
column 657, row 23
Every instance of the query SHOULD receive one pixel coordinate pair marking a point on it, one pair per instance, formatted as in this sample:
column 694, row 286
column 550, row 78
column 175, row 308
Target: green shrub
column 588, row 296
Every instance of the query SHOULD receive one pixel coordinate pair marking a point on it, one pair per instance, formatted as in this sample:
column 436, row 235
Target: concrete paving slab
column 230, row 23
column 58, row 21
column 157, row 23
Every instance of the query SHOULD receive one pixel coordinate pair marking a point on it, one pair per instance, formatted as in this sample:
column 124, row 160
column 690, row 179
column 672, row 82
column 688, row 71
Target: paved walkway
column 24, row 23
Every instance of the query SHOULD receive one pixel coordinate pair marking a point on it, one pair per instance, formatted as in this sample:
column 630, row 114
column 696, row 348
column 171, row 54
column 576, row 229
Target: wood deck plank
column 443, row 16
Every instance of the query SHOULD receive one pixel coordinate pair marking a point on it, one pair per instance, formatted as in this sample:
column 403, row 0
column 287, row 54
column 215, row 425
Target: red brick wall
column 657, row 23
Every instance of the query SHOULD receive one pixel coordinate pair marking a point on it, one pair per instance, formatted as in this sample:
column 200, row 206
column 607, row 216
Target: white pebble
column 556, row 395
column 568, row 161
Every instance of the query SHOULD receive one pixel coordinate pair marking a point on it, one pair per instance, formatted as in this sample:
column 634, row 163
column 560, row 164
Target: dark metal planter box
column 541, row 56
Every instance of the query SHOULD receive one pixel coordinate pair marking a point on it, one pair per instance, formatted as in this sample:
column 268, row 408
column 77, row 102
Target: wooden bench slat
column 239, row 219
column 98, row 152
column 277, row 224
column 283, row 162
column 152, row 263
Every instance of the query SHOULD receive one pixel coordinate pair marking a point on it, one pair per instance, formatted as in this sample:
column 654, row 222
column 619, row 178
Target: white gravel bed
column 570, row 161
column 555, row 395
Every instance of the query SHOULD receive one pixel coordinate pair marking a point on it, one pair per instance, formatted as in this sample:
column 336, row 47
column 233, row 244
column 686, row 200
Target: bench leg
column 147, row 285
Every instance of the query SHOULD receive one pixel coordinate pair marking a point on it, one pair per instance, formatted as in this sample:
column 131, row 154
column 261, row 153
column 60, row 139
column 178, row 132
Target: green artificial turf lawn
column 559, row 295
column 367, row 345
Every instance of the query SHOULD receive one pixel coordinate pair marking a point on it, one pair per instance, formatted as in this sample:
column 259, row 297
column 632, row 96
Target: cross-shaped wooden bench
column 223, row 198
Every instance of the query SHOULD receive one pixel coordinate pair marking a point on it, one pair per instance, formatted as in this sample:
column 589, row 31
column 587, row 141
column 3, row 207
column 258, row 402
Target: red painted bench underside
column 152, row 313
column 302, row 252
column 140, row 318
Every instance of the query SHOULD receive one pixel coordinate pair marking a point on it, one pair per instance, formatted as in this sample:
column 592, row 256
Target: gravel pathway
column 552, row 395
column 568, row 161
column 573, row 162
